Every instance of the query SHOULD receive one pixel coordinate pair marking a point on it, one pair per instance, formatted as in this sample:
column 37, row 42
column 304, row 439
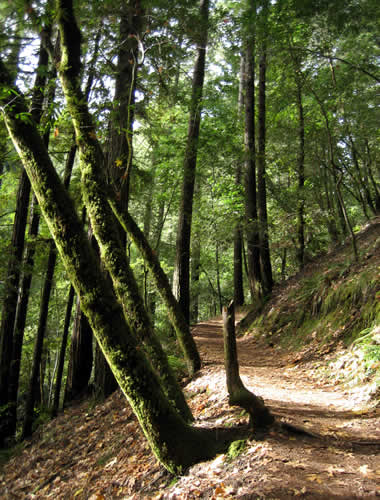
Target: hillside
column 312, row 352
column 330, row 312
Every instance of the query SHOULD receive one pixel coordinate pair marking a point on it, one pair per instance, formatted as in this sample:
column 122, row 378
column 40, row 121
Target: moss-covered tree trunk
column 175, row 444
column 95, row 194
column 181, row 327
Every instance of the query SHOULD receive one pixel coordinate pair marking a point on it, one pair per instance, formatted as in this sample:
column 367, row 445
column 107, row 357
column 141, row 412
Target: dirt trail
column 343, row 459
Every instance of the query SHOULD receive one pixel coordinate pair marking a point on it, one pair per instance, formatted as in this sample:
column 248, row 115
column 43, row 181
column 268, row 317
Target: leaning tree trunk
column 239, row 395
column 95, row 192
column 183, row 333
column 181, row 279
column 176, row 444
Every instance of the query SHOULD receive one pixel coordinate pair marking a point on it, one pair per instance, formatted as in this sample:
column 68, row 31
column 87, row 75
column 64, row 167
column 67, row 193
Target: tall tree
column 11, row 330
column 238, row 233
column 130, row 56
column 252, row 226
column 181, row 279
column 266, row 266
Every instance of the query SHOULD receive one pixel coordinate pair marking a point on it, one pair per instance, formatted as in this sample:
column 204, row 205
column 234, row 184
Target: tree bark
column 181, row 279
column 38, row 345
column 266, row 266
column 238, row 234
column 81, row 357
column 183, row 333
column 120, row 154
column 239, row 395
column 62, row 352
column 252, row 227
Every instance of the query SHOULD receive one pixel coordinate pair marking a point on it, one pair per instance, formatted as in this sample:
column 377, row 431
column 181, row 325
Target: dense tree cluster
column 180, row 154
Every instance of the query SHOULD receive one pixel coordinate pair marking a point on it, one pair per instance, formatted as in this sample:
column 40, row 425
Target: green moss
column 236, row 448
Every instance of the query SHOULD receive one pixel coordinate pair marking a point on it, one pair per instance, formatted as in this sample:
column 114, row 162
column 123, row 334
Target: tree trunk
column 62, row 352
column 238, row 235
column 10, row 299
column 120, row 154
column 183, row 333
column 38, row 345
column 181, row 279
column 239, row 395
column 266, row 266
column 103, row 222
column 252, row 227
column 80, row 361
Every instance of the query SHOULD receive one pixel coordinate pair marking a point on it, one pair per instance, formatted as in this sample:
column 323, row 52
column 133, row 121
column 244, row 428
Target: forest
column 160, row 159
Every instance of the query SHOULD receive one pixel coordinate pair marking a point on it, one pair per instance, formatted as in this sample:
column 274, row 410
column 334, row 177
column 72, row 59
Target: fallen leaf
column 364, row 471
column 314, row 477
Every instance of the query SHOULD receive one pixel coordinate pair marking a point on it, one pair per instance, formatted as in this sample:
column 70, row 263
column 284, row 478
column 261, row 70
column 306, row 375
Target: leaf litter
column 99, row 452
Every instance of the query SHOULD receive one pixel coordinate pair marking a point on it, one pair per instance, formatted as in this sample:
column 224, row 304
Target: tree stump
column 239, row 395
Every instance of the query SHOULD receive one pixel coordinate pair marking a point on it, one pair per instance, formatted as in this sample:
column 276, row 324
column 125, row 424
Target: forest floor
column 98, row 451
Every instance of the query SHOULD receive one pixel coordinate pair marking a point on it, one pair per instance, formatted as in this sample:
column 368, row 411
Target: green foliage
column 359, row 367
column 178, row 366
